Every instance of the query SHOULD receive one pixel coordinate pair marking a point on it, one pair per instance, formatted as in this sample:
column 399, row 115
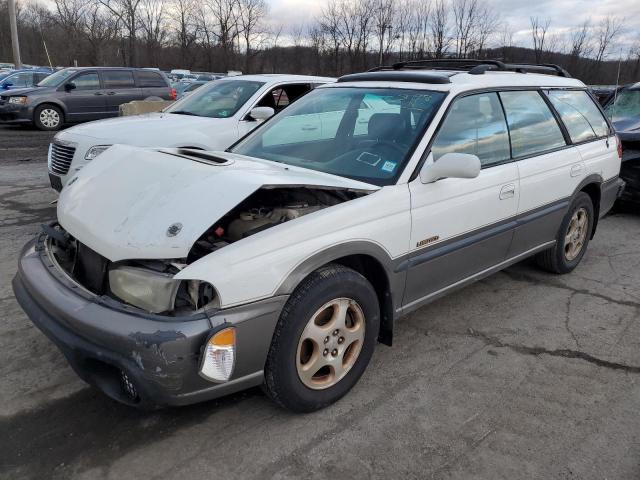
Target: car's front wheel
column 48, row 117
column 324, row 339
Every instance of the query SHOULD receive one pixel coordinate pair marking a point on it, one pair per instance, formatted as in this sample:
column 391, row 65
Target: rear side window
column 150, row 79
column 579, row 114
column 118, row 79
column 533, row 127
column 474, row 125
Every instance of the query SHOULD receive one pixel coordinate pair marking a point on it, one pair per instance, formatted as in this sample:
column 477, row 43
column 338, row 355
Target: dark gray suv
column 76, row 95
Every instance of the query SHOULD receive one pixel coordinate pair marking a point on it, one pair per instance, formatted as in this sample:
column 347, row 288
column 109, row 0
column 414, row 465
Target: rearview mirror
column 262, row 113
column 69, row 86
column 451, row 165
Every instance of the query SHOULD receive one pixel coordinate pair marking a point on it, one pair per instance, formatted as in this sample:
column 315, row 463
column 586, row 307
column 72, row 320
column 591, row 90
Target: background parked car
column 623, row 109
column 74, row 95
column 23, row 78
column 187, row 88
column 211, row 118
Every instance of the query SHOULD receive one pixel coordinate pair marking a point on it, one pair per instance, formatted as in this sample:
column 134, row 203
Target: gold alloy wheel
column 330, row 343
column 576, row 234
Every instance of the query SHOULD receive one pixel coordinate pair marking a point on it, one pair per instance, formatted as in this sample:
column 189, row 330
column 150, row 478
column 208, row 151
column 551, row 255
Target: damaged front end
column 146, row 284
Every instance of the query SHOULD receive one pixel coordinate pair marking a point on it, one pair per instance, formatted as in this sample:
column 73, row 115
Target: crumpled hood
column 122, row 204
column 155, row 127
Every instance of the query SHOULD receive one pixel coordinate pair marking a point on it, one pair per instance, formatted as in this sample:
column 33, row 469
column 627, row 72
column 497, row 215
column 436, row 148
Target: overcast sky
column 564, row 14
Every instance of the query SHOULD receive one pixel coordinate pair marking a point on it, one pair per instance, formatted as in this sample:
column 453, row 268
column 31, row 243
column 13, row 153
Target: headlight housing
column 152, row 291
column 94, row 151
column 17, row 100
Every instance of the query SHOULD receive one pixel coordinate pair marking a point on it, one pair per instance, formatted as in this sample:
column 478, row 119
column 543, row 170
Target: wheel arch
column 371, row 261
column 592, row 186
column 53, row 103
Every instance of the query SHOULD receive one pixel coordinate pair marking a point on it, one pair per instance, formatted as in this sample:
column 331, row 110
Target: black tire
column 554, row 259
column 282, row 382
column 44, row 117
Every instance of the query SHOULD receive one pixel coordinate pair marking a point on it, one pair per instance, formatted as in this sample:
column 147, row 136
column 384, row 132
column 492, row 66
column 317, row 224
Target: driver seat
column 387, row 127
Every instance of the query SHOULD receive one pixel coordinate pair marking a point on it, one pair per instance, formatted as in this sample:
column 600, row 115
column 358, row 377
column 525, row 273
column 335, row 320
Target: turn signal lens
column 219, row 356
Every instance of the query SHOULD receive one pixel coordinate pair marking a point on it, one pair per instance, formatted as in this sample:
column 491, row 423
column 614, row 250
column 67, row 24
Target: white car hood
column 153, row 129
column 122, row 204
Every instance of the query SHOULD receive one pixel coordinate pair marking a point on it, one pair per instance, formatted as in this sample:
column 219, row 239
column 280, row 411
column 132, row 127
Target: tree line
column 346, row 36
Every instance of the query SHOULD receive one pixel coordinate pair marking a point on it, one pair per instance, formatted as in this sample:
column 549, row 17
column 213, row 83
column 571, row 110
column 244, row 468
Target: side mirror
column 7, row 85
column 69, row 86
column 451, row 165
column 262, row 113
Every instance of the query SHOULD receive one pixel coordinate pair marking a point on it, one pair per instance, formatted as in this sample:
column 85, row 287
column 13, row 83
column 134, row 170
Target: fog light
column 219, row 356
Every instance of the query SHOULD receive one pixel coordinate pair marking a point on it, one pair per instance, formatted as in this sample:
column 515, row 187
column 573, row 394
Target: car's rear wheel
column 572, row 239
column 48, row 117
column 324, row 339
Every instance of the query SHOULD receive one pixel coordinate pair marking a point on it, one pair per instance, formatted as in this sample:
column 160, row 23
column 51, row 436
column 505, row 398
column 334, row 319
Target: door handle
column 111, row 93
column 508, row 191
column 98, row 93
column 576, row 170
column 309, row 128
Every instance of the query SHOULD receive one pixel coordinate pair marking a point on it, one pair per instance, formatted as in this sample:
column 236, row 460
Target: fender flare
column 395, row 281
column 595, row 179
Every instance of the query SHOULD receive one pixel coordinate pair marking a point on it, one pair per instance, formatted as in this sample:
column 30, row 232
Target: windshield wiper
column 184, row 112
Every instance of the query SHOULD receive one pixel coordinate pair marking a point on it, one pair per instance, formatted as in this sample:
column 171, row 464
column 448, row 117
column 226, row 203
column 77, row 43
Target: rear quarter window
column 579, row 113
column 150, row 79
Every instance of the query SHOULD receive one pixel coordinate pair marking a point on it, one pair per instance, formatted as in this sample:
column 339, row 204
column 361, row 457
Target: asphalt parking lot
column 522, row 375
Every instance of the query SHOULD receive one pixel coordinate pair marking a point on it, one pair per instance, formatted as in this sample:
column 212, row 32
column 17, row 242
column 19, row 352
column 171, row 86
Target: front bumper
column 12, row 113
column 102, row 339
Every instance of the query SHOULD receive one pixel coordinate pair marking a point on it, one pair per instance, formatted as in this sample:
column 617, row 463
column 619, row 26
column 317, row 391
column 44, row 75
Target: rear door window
column 118, row 79
column 475, row 125
column 532, row 126
column 579, row 114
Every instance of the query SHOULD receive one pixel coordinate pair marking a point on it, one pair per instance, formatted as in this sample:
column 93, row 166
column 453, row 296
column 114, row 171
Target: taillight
column 173, row 93
column 619, row 145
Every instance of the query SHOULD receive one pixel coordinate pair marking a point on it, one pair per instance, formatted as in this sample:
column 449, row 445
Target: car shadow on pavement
column 39, row 443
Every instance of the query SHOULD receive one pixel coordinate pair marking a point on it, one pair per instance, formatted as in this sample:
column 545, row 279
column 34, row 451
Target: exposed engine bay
column 148, row 284
column 265, row 208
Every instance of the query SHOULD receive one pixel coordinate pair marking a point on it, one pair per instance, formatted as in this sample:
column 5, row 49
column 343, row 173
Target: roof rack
column 475, row 66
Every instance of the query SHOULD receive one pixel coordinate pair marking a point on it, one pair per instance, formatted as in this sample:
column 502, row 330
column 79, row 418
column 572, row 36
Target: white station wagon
column 173, row 276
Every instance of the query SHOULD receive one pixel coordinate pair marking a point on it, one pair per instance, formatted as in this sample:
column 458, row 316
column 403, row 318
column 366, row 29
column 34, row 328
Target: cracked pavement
column 522, row 375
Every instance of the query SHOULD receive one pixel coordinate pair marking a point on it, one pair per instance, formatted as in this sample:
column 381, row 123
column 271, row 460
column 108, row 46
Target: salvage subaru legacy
column 173, row 276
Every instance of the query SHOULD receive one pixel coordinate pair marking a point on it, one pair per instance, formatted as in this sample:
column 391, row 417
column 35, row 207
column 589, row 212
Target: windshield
column 626, row 105
column 366, row 134
column 58, row 78
column 221, row 99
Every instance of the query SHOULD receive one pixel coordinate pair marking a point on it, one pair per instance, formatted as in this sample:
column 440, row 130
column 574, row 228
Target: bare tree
column 153, row 19
column 538, row 33
column 439, row 26
column 252, row 13
column 383, row 15
column 183, row 16
column 606, row 32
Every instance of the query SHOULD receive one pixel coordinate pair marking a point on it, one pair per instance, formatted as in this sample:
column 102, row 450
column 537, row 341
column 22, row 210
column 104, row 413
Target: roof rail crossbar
column 474, row 66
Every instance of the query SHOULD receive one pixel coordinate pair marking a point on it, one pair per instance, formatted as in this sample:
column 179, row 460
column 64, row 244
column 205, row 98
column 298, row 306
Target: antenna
column 615, row 92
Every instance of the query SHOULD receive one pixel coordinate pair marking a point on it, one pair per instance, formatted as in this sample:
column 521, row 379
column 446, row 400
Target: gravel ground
column 522, row 375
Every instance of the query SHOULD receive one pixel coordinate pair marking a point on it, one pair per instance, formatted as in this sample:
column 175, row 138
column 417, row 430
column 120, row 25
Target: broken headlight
column 142, row 288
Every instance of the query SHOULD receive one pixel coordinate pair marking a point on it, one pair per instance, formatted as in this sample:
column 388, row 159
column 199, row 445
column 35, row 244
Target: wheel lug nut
column 334, row 352
column 340, row 340
column 326, row 339
column 336, row 332
column 325, row 352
